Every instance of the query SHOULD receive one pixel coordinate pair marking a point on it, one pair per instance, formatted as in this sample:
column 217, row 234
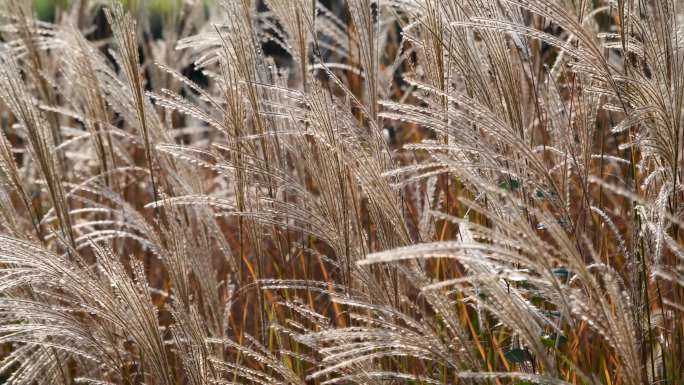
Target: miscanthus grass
column 342, row 192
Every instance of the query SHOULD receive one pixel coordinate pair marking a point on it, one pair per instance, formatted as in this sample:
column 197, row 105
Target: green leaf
column 45, row 9
column 539, row 193
column 561, row 273
column 553, row 340
column 537, row 300
column 510, row 184
column 517, row 356
column 552, row 313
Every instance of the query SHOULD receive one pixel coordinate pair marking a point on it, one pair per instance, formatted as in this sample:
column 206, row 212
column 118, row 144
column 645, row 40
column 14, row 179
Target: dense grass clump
column 342, row 192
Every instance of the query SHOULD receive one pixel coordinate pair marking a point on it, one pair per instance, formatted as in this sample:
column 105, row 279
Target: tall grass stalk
column 338, row 192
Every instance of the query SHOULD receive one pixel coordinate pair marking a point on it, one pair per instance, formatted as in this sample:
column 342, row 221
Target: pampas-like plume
column 338, row 192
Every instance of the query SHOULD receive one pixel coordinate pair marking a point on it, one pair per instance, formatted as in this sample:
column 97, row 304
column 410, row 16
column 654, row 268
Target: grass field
column 342, row 192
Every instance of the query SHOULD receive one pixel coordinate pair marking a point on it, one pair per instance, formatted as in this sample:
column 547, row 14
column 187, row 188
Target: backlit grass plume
column 342, row 192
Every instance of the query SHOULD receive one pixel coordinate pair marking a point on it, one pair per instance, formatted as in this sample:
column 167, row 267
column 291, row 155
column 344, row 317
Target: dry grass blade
column 342, row 192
